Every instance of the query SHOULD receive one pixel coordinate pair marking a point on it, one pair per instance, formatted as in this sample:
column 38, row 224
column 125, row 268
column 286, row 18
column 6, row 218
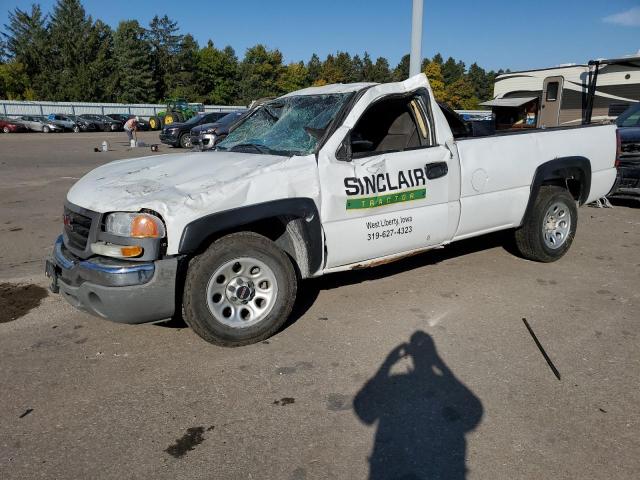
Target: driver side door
column 385, row 183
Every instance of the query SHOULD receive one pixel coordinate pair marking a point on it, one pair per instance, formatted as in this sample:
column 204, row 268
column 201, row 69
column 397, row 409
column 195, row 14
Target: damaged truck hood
column 185, row 187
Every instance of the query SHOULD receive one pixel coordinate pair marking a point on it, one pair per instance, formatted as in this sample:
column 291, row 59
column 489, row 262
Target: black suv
column 628, row 181
column 178, row 134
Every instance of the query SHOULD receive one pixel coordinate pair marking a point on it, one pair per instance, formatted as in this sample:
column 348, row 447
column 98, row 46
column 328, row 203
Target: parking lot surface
column 421, row 367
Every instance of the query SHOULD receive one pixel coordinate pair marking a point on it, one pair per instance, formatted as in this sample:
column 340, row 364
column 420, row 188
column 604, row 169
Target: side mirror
column 343, row 154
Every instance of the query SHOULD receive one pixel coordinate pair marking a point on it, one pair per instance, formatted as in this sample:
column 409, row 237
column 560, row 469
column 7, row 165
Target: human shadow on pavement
column 422, row 416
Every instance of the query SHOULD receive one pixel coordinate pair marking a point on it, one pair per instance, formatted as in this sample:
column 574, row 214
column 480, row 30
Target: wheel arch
column 293, row 224
column 572, row 173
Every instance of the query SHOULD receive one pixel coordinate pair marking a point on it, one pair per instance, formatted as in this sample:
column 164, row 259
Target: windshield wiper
column 259, row 148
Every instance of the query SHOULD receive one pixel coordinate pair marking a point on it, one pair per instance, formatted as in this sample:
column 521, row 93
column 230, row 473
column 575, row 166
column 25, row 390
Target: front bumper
column 121, row 291
column 203, row 141
column 169, row 139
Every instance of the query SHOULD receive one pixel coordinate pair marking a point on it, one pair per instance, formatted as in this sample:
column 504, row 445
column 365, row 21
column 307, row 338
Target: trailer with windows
column 321, row 180
column 559, row 96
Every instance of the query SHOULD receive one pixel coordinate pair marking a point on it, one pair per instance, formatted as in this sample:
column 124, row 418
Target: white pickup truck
column 320, row 180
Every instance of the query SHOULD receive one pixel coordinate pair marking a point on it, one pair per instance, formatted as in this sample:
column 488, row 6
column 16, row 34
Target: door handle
column 436, row 170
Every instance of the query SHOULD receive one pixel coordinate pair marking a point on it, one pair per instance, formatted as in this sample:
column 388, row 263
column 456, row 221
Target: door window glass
column 389, row 126
column 552, row 91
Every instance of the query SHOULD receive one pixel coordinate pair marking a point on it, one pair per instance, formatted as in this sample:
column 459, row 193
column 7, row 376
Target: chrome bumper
column 125, row 292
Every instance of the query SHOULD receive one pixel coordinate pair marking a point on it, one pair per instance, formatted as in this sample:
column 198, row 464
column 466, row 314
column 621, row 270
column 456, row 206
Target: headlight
column 172, row 131
column 134, row 225
column 210, row 131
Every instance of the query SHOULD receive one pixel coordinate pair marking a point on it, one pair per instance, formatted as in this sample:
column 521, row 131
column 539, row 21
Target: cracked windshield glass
column 286, row 126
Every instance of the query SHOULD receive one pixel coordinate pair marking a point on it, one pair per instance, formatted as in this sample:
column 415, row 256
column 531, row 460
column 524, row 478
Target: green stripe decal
column 382, row 200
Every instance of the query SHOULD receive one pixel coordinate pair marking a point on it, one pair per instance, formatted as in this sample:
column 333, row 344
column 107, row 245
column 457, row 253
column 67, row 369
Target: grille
column 77, row 227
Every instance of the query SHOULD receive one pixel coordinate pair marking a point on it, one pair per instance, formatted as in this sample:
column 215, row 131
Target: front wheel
column 45, row 129
column 6, row 130
column 548, row 229
column 241, row 290
column 76, row 129
column 185, row 140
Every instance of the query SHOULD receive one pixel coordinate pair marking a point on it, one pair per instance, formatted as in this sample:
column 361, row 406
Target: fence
column 14, row 108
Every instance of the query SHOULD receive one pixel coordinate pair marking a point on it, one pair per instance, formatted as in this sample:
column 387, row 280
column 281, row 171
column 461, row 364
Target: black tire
column 46, row 129
column 185, row 140
column 6, row 130
column 530, row 237
column 197, row 313
column 76, row 129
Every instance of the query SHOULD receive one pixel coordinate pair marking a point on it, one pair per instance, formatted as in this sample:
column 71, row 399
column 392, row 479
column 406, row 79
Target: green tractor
column 178, row 110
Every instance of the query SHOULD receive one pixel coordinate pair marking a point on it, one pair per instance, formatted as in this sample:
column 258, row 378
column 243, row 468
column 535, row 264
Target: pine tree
column 25, row 42
column 67, row 71
column 165, row 46
column 367, row 68
column 314, row 69
column 381, row 71
column 134, row 77
column 452, row 70
column 401, row 72
column 182, row 83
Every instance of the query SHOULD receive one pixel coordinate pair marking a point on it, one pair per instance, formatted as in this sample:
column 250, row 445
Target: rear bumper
column 627, row 180
column 124, row 292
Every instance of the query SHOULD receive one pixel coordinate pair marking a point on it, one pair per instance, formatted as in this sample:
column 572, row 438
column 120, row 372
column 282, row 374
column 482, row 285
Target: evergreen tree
column 401, row 72
column 25, row 41
column 381, row 71
column 314, row 69
column 165, row 46
column 259, row 73
column 358, row 67
column 102, row 66
column 437, row 58
column 67, row 70
column 452, row 70
column 217, row 75
column 182, row 83
column 367, row 68
column 134, row 76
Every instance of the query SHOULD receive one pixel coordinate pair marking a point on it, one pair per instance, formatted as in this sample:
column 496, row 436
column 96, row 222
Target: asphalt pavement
column 424, row 367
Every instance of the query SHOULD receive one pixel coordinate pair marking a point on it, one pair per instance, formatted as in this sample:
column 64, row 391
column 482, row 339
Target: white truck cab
column 320, row 180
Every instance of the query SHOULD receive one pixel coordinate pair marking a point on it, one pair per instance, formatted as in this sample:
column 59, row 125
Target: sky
column 496, row 34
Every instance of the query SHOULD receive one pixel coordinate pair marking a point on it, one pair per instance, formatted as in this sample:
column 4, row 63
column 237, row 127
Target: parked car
column 39, row 123
column 123, row 117
column 206, row 136
column 628, row 179
column 8, row 125
column 179, row 134
column 326, row 179
column 65, row 121
column 103, row 122
column 85, row 124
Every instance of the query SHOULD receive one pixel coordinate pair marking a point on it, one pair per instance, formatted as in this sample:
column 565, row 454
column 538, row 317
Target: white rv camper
column 559, row 96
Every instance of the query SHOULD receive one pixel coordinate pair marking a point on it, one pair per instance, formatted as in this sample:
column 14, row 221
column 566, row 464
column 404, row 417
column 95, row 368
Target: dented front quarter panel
column 185, row 187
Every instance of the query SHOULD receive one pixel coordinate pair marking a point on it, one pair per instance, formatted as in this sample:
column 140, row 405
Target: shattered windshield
column 286, row 126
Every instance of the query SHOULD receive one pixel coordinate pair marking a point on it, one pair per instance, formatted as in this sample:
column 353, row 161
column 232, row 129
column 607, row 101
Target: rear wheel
column 6, row 130
column 179, row 117
column 549, row 228
column 169, row 118
column 241, row 290
column 154, row 123
column 76, row 129
column 46, row 129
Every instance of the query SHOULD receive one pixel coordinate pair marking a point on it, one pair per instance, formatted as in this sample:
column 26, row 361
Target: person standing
column 130, row 127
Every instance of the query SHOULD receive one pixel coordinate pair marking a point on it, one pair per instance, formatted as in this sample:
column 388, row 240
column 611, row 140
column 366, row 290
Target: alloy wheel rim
column 242, row 292
column 556, row 225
